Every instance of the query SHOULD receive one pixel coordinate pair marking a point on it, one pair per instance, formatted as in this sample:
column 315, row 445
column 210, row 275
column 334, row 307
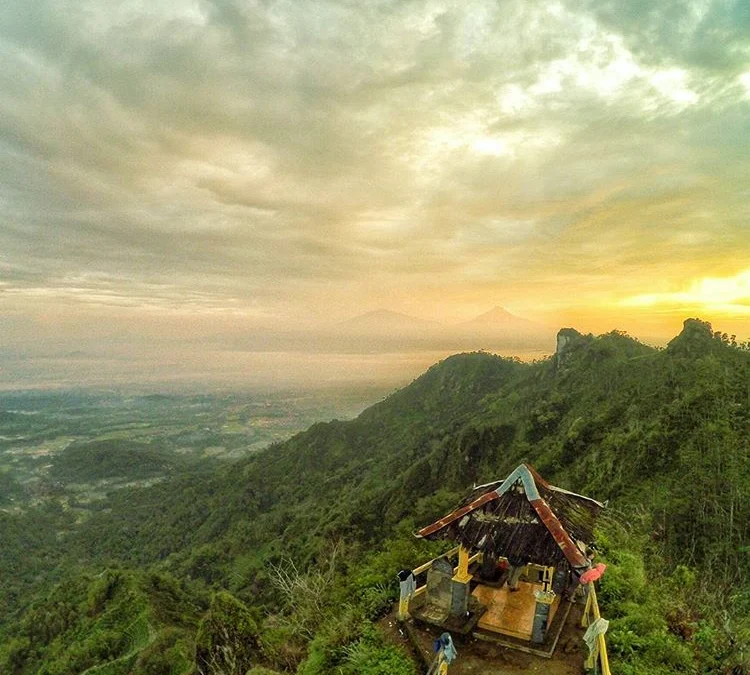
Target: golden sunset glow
column 215, row 177
column 725, row 295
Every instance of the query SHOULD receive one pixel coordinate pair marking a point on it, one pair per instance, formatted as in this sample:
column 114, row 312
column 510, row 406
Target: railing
column 599, row 655
column 423, row 568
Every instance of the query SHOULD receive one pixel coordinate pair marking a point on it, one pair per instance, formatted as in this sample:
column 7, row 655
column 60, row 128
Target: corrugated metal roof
column 524, row 519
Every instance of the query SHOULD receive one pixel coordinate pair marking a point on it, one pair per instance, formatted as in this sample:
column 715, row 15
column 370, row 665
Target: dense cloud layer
column 280, row 161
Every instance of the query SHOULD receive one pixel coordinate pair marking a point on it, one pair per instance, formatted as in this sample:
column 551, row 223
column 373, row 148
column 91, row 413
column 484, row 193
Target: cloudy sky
column 172, row 171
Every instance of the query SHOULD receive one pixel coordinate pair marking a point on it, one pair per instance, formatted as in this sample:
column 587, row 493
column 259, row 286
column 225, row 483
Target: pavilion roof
column 524, row 519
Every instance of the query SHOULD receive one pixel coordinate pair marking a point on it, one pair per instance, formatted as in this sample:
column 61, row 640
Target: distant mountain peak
column 497, row 312
column 499, row 317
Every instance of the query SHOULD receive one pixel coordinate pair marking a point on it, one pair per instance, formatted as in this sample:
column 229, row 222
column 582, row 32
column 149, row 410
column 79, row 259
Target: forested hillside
column 282, row 561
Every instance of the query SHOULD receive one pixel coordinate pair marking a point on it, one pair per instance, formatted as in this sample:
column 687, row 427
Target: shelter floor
column 510, row 612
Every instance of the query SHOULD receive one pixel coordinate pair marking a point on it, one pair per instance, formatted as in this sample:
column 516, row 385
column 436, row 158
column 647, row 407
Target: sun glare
column 728, row 294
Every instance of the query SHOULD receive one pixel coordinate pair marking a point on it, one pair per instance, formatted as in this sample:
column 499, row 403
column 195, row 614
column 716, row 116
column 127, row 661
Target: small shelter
column 522, row 545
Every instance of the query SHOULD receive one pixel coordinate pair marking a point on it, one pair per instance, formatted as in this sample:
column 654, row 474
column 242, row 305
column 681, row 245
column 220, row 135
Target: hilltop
column 502, row 321
column 496, row 328
column 606, row 416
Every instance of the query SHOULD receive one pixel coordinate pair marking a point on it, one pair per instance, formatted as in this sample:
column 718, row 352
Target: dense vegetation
column 108, row 459
column 283, row 560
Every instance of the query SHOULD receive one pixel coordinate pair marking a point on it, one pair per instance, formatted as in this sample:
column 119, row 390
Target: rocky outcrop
column 566, row 338
column 696, row 338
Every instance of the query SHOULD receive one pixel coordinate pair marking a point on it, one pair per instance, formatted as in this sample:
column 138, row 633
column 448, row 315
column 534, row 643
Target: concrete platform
column 510, row 613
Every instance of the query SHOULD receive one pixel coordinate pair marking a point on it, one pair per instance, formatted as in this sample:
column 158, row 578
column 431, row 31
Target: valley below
column 251, row 532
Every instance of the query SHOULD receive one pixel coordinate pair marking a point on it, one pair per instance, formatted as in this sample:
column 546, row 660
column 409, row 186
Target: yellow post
column 592, row 606
column 403, row 608
column 462, row 573
column 461, row 584
column 602, row 643
column 585, row 619
column 547, row 578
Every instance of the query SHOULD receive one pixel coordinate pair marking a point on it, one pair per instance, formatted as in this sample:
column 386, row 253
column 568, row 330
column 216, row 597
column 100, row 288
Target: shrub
column 166, row 655
column 625, row 580
column 372, row 657
column 227, row 639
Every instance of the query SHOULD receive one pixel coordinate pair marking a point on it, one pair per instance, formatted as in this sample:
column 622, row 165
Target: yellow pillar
column 603, row 656
column 586, row 618
column 462, row 573
column 403, row 608
column 601, row 645
column 547, row 578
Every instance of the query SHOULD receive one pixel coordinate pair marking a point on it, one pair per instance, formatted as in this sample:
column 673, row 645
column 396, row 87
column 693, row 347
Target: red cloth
column 593, row 574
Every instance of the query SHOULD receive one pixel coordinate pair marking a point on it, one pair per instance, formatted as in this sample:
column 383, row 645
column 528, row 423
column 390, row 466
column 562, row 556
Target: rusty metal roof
column 522, row 518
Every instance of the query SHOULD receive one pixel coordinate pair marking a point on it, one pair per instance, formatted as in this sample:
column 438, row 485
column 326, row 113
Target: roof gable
column 523, row 516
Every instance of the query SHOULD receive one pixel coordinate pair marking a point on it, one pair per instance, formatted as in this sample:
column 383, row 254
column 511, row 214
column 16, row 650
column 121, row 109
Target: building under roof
column 523, row 519
column 523, row 545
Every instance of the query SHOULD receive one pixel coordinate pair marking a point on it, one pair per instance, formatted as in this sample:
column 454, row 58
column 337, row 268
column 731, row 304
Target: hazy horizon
column 197, row 193
column 271, row 361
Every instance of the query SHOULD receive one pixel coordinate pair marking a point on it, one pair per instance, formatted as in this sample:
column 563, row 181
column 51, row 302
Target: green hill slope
column 114, row 622
column 662, row 434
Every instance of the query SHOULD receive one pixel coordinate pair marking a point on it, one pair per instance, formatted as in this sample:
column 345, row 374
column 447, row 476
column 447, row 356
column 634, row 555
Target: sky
column 176, row 176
